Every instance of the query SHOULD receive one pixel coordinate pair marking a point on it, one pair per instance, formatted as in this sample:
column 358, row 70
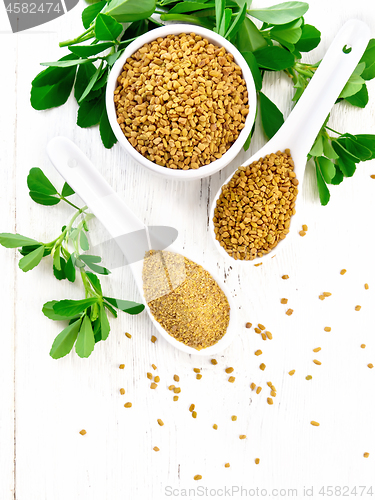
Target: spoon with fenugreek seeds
column 257, row 206
column 188, row 306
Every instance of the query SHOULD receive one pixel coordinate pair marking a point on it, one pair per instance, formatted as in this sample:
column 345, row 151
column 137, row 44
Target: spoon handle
column 307, row 117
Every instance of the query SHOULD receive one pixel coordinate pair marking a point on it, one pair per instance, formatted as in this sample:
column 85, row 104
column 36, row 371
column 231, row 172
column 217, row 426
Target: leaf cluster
column 88, row 321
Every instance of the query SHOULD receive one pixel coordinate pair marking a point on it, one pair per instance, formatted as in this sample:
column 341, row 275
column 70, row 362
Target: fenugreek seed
column 157, row 379
column 213, row 361
column 289, row 312
column 214, row 427
column 252, row 386
column 258, row 389
column 327, row 328
column 357, row 308
column 196, row 370
column 321, row 297
column 176, row 378
column 229, row 370
column 327, row 294
column 273, row 394
column 269, row 335
column 257, row 460
column 194, row 414
column 363, row 346
column 317, row 362
column 248, row 325
column 304, row 227
column 149, row 375
column 171, row 387
column 372, row 176
column 128, row 405
column 199, row 376
column 82, row 432
column 261, row 326
column 257, row 330
column 154, row 366
column 370, row 365
column 155, row 448
column 242, row 436
column 343, row 271
column 317, row 349
column 122, row 366
column 284, row 301
column 153, row 385
column 128, row 335
column 269, row 384
column 262, row 366
column 234, row 418
column 308, row 377
column 316, row 424
column 153, row 339
column 231, row 379
column 197, row 477
column 285, row 277
column 177, row 390
column 366, row 455
column 302, row 233
column 270, row 401
column 160, row 422
column 292, row 372
column 258, row 352
column 122, row 391
column 273, row 387
column 366, row 286
column 227, row 465
column 264, row 336
column 175, row 398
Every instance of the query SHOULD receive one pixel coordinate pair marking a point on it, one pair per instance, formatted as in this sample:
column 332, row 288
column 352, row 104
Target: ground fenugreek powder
column 185, row 299
column 181, row 101
column 253, row 212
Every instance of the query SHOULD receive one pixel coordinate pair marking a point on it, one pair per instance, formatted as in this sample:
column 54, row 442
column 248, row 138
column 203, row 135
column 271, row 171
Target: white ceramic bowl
column 173, row 29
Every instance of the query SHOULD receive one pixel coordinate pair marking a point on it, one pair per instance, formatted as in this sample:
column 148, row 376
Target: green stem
column 335, row 131
column 69, row 202
column 185, row 18
column 79, row 38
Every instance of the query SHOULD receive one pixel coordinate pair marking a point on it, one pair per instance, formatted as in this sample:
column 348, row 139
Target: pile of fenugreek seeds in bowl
column 253, row 212
column 185, row 299
column 181, row 101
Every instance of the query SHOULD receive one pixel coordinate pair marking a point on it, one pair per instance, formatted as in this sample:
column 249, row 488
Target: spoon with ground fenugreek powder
column 189, row 307
column 256, row 206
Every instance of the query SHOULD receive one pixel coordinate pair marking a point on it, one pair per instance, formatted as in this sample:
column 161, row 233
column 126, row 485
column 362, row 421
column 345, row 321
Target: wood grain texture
column 48, row 402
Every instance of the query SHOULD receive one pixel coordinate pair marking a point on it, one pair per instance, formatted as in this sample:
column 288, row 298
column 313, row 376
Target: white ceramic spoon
column 307, row 117
column 108, row 207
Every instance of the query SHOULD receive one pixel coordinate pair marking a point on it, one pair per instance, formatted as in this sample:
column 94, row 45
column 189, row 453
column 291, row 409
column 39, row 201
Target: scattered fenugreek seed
column 234, row 418
column 262, row 366
column 270, row 401
column 261, row 326
column 153, row 385
column 191, row 407
column 292, row 372
column 199, row 376
column 128, row 335
column 196, row 370
column 284, row 301
column 285, row 277
column 154, row 366
column 366, row 286
column 229, row 370
column 252, row 386
column 153, row 338
column 258, row 352
column 317, row 349
column 343, row 271
column 128, row 405
column 273, row 387
column 269, row 384
column 213, row 361
column 171, row 387
column 197, row 477
column 82, row 432
column 177, row 390
column 321, row 297
column 357, row 308
column 231, row 379
column 264, row 336
column 227, row 465
column 327, row 294
column 160, row 422
column 157, row 379
column 317, row 362
column 149, row 375
column 122, row 391
column 302, row 233
column 269, row 335
column 214, row 427
column 194, row 414
column 155, row 448
column 176, row 378
column 327, row 328
column 248, row 325
column 363, row 346
column 372, row 176
column 304, row 227
column 308, row 377
column 258, row 389
column 370, row 365
column 316, row 424
column 175, row 398
column 242, row 436
column 289, row 312
column 257, row 460
column 366, row 455
column 257, row 330
column 122, row 366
